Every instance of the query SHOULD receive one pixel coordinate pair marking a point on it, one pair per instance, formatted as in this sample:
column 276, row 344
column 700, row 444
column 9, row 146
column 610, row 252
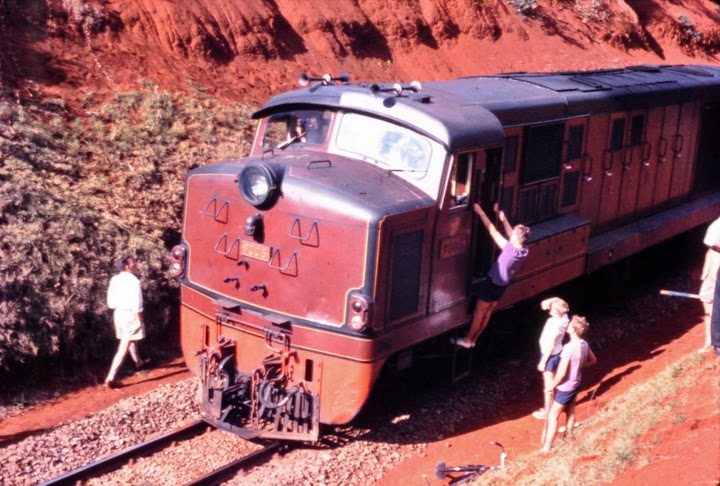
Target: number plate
column 256, row 251
column 455, row 245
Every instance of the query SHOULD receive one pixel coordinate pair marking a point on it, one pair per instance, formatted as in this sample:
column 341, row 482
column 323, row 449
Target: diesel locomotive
column 346, row 238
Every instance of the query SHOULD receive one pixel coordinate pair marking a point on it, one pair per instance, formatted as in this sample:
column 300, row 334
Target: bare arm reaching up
column 498, row 238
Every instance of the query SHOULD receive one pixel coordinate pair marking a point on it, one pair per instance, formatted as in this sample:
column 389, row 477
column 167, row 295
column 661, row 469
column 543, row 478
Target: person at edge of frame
column 712, row 312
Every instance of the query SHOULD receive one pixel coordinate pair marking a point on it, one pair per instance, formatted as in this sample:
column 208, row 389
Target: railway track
column 252, row 458
column 117, row 460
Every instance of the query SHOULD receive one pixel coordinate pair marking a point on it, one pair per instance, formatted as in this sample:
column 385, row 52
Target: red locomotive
column 347, row 236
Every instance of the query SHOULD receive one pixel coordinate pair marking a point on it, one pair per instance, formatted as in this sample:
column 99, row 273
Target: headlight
column 258, row 184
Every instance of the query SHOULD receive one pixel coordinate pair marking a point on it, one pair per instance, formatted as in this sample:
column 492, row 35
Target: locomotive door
column 487, row 193
column 683, row 149
column 592, row 178
column 649, row 167
column 572, row 167
column 665, row 154
column 453, row 237
column 611, row 176
column 636, row 152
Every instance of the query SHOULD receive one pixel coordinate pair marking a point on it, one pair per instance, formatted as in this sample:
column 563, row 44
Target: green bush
column 77, row 192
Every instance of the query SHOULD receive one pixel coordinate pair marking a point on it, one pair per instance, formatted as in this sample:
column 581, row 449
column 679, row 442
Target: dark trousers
column 715, row 318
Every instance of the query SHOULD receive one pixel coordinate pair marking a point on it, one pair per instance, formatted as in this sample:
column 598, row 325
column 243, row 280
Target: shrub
column 76, row 193
column 688, row 29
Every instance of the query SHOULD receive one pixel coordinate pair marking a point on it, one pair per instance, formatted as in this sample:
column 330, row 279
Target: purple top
column 577, row 352
column 507, row 264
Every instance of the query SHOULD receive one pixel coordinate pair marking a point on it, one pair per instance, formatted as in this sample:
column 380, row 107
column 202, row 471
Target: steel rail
column 212, row 478
column 114, row 461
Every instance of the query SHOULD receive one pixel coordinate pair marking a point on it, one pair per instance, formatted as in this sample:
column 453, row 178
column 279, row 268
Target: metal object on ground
column 673, row 293
column 471, row 471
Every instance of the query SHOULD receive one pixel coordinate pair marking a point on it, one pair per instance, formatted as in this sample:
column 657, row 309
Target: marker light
column 177, row 261
column 360, row 312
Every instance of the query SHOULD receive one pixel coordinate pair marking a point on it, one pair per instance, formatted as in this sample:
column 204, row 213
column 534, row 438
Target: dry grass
column 608, row 441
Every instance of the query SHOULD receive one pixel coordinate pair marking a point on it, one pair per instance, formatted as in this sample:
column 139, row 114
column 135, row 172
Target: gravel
column 45, row 456
column 400, row 420
column 357, row 454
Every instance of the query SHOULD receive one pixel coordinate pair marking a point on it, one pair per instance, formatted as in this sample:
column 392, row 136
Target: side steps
column 462, row 360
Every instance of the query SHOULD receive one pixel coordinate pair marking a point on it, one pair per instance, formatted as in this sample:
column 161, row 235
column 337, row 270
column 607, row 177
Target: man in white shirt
column 712, row 235
column 709, row 276
column 125, row 298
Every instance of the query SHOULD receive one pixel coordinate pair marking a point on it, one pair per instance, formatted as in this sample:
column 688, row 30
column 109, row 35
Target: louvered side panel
column 406, row 272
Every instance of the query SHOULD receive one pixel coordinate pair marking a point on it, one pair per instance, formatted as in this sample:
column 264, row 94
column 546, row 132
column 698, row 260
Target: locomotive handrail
column 627, row 160
column 645, row 153
column 662, row 149
column 587, row 167
column 607, row 169
column 234, row 245
column 219, row 215
column 299, row 231
column 317, row 162
column 278, row 267
column 281, row 337
column 678, row 145
column 217, row 245
column 566, row 164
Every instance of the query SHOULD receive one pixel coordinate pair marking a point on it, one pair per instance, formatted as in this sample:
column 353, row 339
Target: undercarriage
column 267, row 403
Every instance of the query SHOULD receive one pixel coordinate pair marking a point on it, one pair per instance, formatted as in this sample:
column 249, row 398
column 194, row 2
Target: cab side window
column 460, row 179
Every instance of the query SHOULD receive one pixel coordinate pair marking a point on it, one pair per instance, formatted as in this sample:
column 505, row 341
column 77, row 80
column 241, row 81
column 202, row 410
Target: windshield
column 414, row 157
column 405, row 153
column 306, row 127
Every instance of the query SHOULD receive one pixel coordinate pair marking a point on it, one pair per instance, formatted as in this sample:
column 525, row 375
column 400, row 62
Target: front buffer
column 267, row 403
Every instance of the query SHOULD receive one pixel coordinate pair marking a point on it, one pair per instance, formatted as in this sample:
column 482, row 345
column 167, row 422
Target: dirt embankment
column 245, row 51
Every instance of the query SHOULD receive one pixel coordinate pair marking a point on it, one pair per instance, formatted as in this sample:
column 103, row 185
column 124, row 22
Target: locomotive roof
column 460, row 112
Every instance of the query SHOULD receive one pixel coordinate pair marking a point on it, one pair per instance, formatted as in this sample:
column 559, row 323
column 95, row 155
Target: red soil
column 245, row 51
column 82, row 402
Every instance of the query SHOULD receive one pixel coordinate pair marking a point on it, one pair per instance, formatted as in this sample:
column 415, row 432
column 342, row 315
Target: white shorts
column 128, row 325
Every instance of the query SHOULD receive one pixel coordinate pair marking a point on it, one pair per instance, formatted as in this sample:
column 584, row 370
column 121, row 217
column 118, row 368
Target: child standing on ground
column 574, row 356
column 551, row 344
